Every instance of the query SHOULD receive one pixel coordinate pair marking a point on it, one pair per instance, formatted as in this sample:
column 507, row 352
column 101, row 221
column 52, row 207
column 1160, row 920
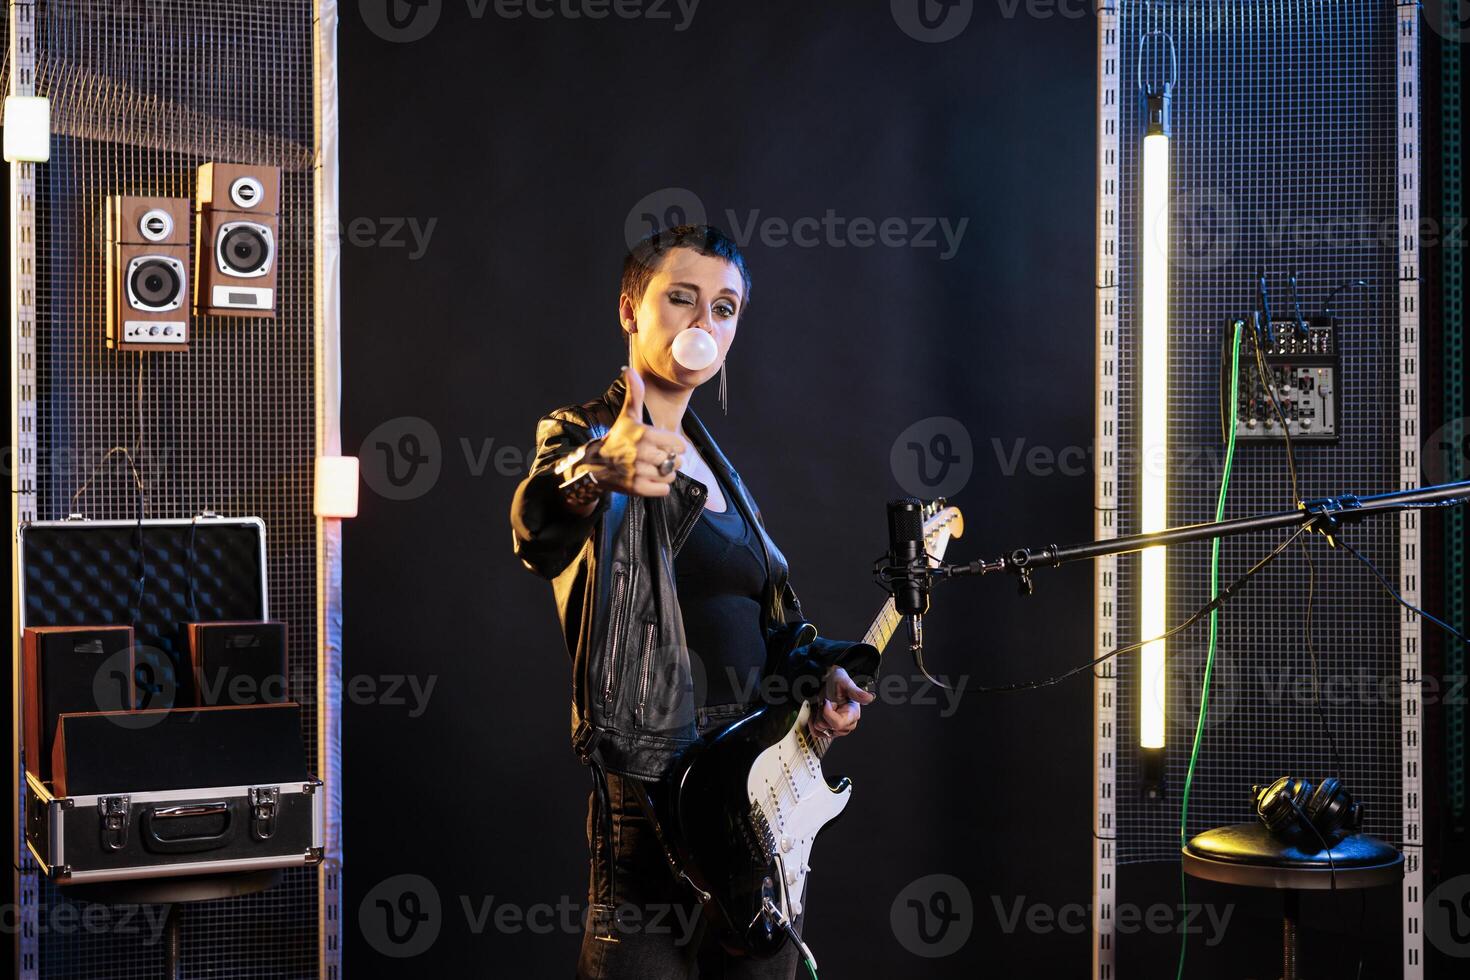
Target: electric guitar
column 747, row 800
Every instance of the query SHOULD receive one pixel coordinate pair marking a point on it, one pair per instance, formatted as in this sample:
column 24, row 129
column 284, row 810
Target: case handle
column 156, row 841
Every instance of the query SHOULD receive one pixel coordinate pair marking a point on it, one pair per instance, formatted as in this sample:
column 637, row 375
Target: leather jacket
column 634, row 688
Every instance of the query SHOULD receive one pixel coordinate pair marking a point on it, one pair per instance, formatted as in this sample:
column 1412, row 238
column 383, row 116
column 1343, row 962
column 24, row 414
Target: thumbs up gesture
column 630, row 455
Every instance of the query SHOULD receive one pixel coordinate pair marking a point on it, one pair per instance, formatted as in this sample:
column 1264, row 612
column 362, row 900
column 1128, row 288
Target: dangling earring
column 724, row 404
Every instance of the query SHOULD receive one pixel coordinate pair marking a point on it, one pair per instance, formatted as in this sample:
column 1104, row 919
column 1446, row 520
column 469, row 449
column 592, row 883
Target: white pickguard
column 787, row 784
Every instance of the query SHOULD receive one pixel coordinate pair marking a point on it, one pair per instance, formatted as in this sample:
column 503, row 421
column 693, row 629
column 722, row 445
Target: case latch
column 263, row 803
column 115, row 812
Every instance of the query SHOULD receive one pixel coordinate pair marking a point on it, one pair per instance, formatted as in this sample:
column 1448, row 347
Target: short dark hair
column 643, row 258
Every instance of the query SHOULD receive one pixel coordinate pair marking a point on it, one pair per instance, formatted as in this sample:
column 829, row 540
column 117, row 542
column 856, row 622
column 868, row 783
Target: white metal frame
column 1105, row 499
column 328, row 373
column 1410, row 718
column 24, row 884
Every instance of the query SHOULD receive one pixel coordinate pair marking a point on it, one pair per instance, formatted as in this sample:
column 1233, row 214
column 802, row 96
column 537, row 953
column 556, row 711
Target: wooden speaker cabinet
column 72, row 669
column 238, row 213
column 147, row 273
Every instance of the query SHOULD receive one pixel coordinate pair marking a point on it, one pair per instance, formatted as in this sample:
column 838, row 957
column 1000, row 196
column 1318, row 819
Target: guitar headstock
column 942, row 521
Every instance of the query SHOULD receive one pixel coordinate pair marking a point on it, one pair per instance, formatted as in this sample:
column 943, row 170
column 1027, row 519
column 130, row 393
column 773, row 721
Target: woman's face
column 687, row 290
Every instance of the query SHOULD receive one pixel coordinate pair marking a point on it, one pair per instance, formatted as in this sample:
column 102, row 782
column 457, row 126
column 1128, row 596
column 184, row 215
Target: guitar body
column 747, row 803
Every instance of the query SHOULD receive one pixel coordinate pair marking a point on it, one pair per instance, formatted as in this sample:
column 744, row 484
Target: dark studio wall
column 493, row 168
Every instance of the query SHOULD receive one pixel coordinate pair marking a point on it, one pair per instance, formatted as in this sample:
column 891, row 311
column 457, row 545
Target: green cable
column 1204, row 694
column 809, row 968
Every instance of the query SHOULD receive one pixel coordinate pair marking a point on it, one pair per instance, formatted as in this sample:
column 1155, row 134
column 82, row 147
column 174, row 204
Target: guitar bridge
column 764, row 843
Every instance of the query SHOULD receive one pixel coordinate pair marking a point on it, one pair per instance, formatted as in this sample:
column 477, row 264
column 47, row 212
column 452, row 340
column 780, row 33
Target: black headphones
column 1290, row 806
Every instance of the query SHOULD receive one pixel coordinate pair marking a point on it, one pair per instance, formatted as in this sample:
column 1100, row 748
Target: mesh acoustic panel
column 143, row 93
column 1283, row 158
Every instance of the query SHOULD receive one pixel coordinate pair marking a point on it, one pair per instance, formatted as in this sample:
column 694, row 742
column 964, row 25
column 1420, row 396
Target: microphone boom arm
column 1326, row 514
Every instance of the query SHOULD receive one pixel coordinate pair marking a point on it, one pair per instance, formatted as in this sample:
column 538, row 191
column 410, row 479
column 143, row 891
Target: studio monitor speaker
column 147, row 273
column 238, row 210
column 70, row 669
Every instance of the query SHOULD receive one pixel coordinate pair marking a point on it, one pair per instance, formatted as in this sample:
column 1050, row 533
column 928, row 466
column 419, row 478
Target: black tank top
column 720, row 573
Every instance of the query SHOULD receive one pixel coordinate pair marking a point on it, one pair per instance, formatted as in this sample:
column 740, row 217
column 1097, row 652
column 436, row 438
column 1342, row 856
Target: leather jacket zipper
column 610, row 667
column 624, row 588
column 650, row 630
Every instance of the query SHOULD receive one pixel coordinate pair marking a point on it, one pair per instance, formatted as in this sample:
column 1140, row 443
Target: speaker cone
column 245, row 249
column 155, row 284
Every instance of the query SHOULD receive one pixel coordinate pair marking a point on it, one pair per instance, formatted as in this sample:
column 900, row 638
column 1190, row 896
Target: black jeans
column 642, row 924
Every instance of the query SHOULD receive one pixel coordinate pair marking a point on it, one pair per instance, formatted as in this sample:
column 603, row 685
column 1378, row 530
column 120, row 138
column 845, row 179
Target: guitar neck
column 878, row 635
column 883, row 627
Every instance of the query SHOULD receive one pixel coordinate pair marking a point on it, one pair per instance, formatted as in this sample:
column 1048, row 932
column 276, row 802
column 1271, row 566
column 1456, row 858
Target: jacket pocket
column 645, row 669
column 619, row 613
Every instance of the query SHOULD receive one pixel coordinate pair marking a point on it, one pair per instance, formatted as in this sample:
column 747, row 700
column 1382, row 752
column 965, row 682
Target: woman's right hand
column 628, row 459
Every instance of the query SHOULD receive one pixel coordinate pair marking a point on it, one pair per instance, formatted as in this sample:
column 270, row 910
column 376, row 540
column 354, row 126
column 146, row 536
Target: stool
column 1249, row 854
column 173, row 892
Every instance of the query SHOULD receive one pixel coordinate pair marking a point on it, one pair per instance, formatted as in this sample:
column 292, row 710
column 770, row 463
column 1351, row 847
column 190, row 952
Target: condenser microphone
column 909, row 562
column 908, row 574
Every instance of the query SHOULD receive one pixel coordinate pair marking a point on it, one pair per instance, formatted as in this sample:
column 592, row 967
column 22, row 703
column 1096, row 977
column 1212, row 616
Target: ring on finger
column 667, row 466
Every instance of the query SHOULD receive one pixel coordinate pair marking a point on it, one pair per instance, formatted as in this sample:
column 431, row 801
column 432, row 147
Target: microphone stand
column 1325, row 514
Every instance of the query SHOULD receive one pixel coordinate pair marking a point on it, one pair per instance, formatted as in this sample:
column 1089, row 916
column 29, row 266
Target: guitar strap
column 651, row 812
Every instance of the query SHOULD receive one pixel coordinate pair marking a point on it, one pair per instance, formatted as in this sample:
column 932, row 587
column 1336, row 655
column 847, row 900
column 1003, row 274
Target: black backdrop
column 492, row 167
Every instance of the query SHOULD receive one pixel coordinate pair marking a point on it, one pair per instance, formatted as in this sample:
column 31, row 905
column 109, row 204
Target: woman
column 666, row 583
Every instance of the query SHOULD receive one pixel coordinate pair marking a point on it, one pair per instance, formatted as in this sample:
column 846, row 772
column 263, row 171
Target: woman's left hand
column 842, row 702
